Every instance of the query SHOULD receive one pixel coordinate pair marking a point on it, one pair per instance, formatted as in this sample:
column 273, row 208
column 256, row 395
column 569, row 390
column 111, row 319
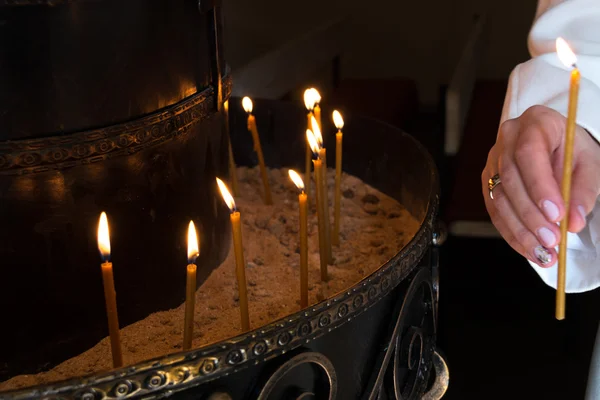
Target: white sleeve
column 543, row 80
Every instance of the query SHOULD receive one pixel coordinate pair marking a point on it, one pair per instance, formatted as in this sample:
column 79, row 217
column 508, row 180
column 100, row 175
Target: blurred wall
column 418, row 39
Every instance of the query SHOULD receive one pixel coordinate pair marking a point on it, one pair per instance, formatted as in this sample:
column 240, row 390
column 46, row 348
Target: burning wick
column 317, row 108
column 303, row 205
column 314, row 145
column 190, row 290
column 247, row 104
column 240, row 265
column 324, row 191
column 568, row 58
column 232, row 167
column 339, row 124
column 309, row 102
column 110, row 295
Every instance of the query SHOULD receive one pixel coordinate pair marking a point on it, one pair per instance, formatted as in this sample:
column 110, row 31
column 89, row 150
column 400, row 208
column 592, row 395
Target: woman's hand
column 528, row 156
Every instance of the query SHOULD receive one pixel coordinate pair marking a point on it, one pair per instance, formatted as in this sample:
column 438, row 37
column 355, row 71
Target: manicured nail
column 582, row 212
column 547, row 237
column 551, row 210
column 542, row 255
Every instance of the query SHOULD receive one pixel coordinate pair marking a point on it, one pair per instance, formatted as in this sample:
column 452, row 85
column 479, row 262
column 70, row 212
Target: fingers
column 532, row 248
column 518, row 236
column 547, row 233
column 533, row 160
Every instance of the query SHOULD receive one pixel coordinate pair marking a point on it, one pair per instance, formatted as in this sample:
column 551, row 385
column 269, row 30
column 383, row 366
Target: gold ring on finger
column 492, row 183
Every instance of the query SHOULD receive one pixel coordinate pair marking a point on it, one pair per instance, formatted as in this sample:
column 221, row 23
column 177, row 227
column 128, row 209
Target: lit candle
column 110, row 295
column 569, row 59
column 240, row 265
column 339, row 124
column 232, row 167
column 320, row 212
column 247, row 104
column 317, row 108
column 190, row 292
column 309, row 102
column 325, row 190
column 303, row 238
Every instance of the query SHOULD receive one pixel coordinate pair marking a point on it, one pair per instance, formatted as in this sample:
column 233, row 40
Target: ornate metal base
column 376, row 340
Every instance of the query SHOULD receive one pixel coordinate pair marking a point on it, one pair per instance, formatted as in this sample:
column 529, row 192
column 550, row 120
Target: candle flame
column 226, row 195
column 565, row 54
column 103, row 237
column 309, row 99
column 192, row 243
column 312, row 142
column 247, row 104
column 316, row 130
column 338, row 121
column 296, row 179
column 316, row 95
column 226, row 105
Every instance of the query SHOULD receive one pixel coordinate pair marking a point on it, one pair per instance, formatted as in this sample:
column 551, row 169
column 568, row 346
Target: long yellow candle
column 308, row 157
column 247, row 104
column 324, row 195
column 190, row 305
column 325, row 204
column 303, row 205
column 569, row 59
column 317, row 112
column 240, row 265
column 110, row 294
column 240, row 269
column 338, row 182
column 190, row 287
column 339, row 123
column 321, row 217
column 232, row 167
column 320, row 211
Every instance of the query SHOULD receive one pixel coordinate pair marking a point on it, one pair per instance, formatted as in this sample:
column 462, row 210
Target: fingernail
column 542, row 255
column 551, row 210
column 582, row 212
column 546, row 236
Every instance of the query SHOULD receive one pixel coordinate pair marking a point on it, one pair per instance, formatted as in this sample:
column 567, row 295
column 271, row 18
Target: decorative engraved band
column 38, row 155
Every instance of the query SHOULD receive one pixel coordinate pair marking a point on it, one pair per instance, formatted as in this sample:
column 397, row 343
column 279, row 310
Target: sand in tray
column 374, row 227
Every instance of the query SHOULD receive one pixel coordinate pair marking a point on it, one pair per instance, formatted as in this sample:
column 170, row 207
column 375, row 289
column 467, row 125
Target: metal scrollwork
column 313, row 358
column 411, row 345
column 442, row 379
